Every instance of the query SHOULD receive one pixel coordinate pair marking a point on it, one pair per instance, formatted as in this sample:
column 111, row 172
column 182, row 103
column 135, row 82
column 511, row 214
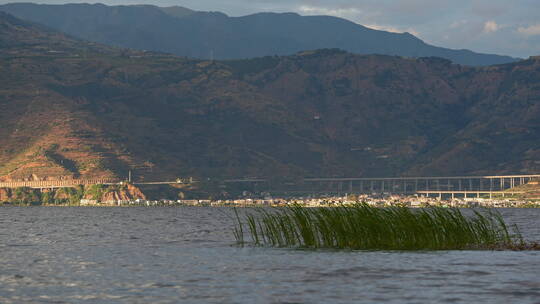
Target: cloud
column 532, row 30
column 339, row 12
column 355, row 14
column 383, row 28
column 457, row 24
column 392, row 29
column 491, row 27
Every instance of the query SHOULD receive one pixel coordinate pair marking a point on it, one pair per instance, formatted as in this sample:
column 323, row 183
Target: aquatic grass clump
column 363, row 227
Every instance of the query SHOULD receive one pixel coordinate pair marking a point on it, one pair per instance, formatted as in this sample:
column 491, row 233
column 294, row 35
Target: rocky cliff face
column 127, row 193
column 100, row 113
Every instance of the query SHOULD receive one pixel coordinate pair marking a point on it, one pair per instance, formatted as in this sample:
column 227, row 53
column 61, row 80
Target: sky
column 507, row 27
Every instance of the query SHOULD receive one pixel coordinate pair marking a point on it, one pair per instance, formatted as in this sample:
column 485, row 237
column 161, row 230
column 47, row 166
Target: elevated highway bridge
column 452, row 185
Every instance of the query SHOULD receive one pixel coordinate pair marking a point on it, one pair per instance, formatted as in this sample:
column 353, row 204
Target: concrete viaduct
column 447, row 185
column 439, row 185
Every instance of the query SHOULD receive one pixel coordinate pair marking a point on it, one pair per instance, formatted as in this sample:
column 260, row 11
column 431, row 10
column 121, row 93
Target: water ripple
column 171, row 255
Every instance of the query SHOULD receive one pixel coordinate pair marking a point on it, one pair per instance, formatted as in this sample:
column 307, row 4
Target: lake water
column 187, row 255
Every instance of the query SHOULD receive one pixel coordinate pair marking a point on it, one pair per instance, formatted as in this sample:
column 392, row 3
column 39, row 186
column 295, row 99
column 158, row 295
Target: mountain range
column 76, row 109
column 214, row 35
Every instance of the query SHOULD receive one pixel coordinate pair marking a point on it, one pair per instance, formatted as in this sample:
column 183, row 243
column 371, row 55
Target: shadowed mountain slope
column 74, row 109
column 215, row 35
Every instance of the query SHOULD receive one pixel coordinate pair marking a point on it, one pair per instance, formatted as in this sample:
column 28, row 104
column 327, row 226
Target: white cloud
column 383, row 28
column 532, row 30
column 392, row 29
column 339, row 12
column 352, row 14
column 414, row 32
column 491, row 27
column 457, row 24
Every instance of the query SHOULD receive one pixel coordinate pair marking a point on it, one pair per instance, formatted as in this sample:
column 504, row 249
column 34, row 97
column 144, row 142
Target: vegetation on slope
column 73, row 109
column 69, row 195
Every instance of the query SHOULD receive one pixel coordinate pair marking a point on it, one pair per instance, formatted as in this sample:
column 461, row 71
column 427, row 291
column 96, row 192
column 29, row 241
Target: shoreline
column 315, row 202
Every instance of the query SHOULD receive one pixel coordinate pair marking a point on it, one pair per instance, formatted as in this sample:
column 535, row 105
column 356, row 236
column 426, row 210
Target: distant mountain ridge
column 204, row 35
column 74, row 109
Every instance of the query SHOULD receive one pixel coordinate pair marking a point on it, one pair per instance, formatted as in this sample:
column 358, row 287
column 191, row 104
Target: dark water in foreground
column 185, row 255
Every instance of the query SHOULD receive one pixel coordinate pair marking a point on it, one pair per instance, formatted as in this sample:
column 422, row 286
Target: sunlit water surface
column 187, row 255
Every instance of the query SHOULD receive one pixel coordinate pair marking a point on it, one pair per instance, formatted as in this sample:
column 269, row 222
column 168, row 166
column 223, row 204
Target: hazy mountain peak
column 185, row 32
column 270, row 14
column 177, row 11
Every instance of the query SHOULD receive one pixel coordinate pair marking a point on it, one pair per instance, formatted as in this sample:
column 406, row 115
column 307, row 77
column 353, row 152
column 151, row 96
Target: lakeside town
column 377, row 200
column 491, row 192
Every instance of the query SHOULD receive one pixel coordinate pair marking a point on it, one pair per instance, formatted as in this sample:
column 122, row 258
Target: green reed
column 361, row 226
